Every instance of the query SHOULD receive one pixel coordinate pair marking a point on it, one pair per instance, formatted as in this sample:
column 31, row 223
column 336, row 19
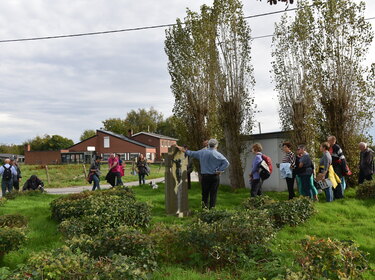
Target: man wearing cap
column 212, row 165
column 7, row 172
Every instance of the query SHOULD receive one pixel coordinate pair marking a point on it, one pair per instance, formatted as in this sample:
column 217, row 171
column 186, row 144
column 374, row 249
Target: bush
column 167, row 245
column 123, row 240
column 75, row 205
column 63, row 264
column 226, row 241
column 102, row 212
column 13, row 220
column 10, row 239
column 213, row 215
column 331, row 259
column 258, row 202
column 291, row 212
column 3, row 200
column 366, row 190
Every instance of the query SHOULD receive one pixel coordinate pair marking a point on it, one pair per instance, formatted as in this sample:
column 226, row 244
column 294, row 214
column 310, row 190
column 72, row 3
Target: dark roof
column 122, row 137
column 156, row 135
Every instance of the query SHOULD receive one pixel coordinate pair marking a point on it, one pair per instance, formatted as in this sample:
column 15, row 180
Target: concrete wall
column 271, row 143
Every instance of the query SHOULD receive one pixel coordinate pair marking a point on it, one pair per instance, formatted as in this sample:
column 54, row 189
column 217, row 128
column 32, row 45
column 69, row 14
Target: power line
column 138, row 29
column 123, row 30
column 272, row 35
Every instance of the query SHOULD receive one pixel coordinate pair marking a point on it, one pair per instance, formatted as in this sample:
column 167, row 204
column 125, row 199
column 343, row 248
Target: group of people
column 116, row 170
column 10, row 173
column 329, row 176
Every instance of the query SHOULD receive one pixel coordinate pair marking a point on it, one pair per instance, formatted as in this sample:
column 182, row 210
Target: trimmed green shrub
column 13, row 220
column 258, row 202
column 291, row 212
column 75, row 205
column 167, row 243
column 331, row 259
column 123, row 240
column 10, row 239
column 102, row 212
column 213, row 215
column 3, row 200
column 366, row 190
column 63, row 264
column 225, row 241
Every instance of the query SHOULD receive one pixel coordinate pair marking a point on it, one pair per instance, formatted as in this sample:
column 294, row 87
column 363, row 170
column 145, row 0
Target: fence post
column 84, row 171
column 48, row 180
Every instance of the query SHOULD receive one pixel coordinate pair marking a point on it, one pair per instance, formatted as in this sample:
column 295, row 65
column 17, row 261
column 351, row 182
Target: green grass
column 42, row 232
column 347, row 219
column 69, row 175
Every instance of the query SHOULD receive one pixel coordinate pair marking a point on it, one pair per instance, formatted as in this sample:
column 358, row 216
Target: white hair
column 363, row 144
column 212, row 143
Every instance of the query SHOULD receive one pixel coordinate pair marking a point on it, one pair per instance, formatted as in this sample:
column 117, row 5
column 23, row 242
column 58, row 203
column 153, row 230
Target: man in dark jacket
column 366, row 163
column 33, row 184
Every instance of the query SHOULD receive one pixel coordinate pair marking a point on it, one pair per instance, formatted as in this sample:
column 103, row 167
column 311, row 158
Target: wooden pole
column 84, row 171
column 48, row 180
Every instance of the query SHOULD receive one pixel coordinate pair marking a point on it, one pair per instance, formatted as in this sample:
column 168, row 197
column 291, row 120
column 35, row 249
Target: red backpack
column 268, row 160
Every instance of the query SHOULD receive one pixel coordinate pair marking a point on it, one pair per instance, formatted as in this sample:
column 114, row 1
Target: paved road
column 103, row 187
column 194, row 178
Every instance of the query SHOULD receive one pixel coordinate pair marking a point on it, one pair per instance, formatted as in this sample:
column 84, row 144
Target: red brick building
column 160, row 142
column 104, row 143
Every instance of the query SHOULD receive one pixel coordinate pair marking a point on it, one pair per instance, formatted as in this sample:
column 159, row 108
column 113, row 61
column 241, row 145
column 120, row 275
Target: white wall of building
column 271, row 143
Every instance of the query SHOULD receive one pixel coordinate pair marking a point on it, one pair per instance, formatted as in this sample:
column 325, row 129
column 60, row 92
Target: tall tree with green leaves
column 292, row 76
column 335, row 45
column 143, row 120
column 87, row 134
column 49, row 143
column 235, row 80
column 190, row 47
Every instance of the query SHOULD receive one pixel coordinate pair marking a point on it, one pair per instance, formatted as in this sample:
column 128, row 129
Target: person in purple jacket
column 255, row 180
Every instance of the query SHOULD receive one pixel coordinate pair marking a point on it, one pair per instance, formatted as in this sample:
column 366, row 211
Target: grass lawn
column 343, row 219
column 68, row 175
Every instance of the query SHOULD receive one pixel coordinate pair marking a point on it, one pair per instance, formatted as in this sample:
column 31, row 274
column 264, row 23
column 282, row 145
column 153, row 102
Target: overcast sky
column 65, row 86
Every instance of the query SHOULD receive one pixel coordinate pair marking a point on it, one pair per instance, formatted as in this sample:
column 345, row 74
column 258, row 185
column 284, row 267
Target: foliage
column 366, row 190
column 62, row 264
column 190, row 49
column 290, row 212
column 87, row 134
column 227, row 240
column 122, row 240
column 101, row 212
column 13, row 221
column 209, row 64
column 320, row 76
column 3, row 200
column 74, row 205
column 10, row 239
column 116, row 125
column 137, row 121
column 167, row 245
column 49, row 143
column 170, row 127
column 331, row 259
column 12, row 149
column 213, row 215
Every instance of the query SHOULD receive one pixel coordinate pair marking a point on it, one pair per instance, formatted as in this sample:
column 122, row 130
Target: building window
column 106, row 141
column 148, row 156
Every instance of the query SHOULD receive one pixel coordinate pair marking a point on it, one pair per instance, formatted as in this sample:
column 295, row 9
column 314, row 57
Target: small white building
column 272, row 147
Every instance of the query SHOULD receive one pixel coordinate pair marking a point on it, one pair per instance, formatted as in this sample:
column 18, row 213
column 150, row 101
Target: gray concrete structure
column 272, row 144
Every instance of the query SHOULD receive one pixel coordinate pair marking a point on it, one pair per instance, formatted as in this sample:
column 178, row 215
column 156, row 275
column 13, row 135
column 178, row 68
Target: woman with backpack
column 255, row 180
